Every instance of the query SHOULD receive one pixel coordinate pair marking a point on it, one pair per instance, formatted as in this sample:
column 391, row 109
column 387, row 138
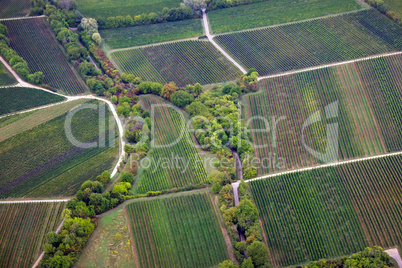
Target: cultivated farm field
column 312, row 43
column 333, row 211
column 5, row 77
column 153, row 33
column 22, row 231
column 13, row 99
column 34, row 42
column 186, row 62
column 369, row 112
column 42, row 162
column 169, row 129
column 100, row 9
column 14, row 8
column 181, row 231
column 274, row 12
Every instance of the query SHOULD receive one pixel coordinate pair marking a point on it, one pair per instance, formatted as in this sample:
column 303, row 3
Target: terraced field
column 181, row 231
column 186, row 62
column 368, row 96
column 15, row 99
column 330, row 212
column 34, row 41
column 316, row 42
column 41, row 160
column 22, row 231
column 173, row 161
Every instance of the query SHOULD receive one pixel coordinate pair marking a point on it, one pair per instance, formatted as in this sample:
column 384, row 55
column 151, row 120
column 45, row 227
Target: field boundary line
column 210, row 38
column 35, row 201
column 325, row 165
column 69, row 98
column 35, row 109
column 297, row 21
column 23, row 18
column 329, row 65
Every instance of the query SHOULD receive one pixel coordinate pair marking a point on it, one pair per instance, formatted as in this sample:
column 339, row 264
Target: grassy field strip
column 35, row 109
column 324, row 166
column 329, row 65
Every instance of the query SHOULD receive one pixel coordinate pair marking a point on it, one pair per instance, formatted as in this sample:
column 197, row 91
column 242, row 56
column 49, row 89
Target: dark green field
column 100, row 9
column 15, row 99
column 275, row 12
column 14, row 8
column 42, row 162
column 153, row 33
column 5, row 77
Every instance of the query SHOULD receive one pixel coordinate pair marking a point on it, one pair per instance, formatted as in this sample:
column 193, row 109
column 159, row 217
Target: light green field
column 102, row 9
column 153, row 33
column 274, row 12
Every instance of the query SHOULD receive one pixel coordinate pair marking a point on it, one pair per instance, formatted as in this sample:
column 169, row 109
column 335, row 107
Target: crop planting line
column 329, row 65
column 35, row 201
column 22, row 83
column 23, row 18
column 35, row 109
column 210, row 38
column 325, row 165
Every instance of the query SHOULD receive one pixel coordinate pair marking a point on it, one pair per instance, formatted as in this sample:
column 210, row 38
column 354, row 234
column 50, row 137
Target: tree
column 90, row 25
column 247, row 263
column 197, row 89
column 87, row 68
column 168, row 90
column 195, row 5
column 97, row 38
column 181, row 98
column 227, row 264
column 36, row 78
column 216, row 188
column 128, row 148
column 127, row 177
column 247, row 214
column 259, row 253
column 104, row 177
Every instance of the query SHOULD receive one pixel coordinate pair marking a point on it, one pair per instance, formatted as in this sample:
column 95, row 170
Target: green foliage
column 87, row 68
column 127, row 177
column 227, row 264
column 181, row 98
column 259, row 253
column 216, row 188
column 248, row 263
column 247, row 214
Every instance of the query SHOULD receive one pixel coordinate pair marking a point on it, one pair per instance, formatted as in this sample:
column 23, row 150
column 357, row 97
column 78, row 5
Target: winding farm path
column 393, row 252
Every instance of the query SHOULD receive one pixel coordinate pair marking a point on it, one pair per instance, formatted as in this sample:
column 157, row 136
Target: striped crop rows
column 33, row 40
column 186, row 62
column 331, row 211
column 177, row 232
column 369, row 112
column 22, row 231
column 316, row 42
column 176, row 162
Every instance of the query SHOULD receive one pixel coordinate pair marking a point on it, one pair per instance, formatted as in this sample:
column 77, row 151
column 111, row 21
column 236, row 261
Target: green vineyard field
column 274, row 12
column 162, row 171
column 369, row 104
column 332, row 211
column 316, row 42
column 181, row 231
column 42, row 162
column 14, row 8
column 22, row 231
column 15, row 99
column 5, row 77
column 186, row 62
column 34, row 41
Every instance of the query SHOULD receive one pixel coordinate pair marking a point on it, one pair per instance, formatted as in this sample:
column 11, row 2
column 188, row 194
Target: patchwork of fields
column 332, row 211
column 369, row 112
column 14, row 8
column 274, row 12
column 312, row 43
column 174, row 142
column 34, row 41
column 186, row 62
column 153, row 33
column 15, row 99
column 181, row 231
column 42, row 162
column 22, row 231
column 100, row 9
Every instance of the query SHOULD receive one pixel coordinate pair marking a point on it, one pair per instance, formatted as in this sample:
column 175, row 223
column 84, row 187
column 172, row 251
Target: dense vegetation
column 52, row 165
column 14, row 8
column 23, row 229
column 316, row 42
column 34, row 41
column 154, row 33
column 186, row 62
column 333, row 211
column 274, row 12
column 104, row 9
column 15, row 99
column 181, row 231
column 367, row 95
column 164, row 172
column 5, row 77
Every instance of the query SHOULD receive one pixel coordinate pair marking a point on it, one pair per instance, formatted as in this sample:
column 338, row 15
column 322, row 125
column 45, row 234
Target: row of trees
column 16, row 62
column 383, row 8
